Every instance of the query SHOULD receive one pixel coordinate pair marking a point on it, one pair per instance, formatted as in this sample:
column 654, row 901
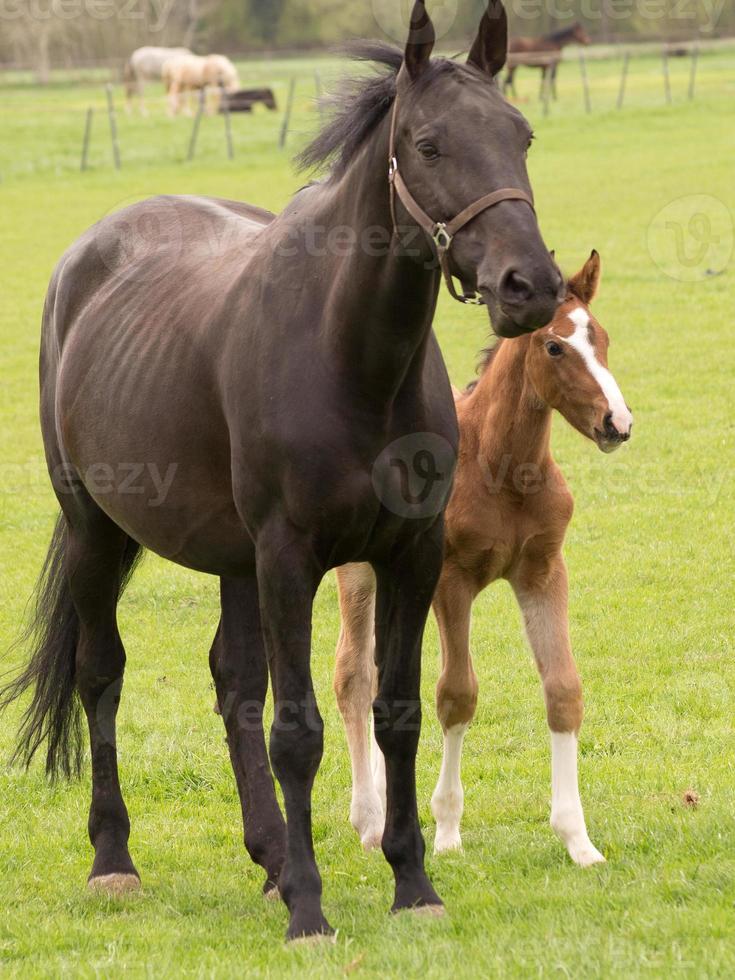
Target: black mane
column 562, row 33
column 359, row 106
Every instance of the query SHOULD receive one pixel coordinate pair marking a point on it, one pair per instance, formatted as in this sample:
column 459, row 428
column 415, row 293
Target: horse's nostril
column 609, row 427
column 515, row 288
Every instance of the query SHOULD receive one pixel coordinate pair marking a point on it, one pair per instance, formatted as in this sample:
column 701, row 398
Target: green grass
column 651, row 564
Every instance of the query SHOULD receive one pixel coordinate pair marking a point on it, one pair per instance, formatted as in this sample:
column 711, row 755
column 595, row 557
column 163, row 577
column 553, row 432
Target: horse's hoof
column 317, row 939
column 114, row 884
column 272, row 894
column 433, row 911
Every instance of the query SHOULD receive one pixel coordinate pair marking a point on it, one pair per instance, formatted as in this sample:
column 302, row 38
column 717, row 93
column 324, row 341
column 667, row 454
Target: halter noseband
column 442, row 232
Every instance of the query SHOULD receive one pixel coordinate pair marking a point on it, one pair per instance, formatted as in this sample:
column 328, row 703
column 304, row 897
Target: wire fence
column 69, row 125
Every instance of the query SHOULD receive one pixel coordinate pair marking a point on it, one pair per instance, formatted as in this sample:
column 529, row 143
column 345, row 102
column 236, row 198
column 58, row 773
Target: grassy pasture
column 651, row 566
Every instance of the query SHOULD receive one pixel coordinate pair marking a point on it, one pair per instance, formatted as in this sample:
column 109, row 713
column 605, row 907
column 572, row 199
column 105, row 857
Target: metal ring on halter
column 441, row 237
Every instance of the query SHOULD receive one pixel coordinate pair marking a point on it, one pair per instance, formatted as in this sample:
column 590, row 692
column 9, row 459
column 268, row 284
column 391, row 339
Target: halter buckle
column 392, row 169
column 442, row 238
column 473, row 300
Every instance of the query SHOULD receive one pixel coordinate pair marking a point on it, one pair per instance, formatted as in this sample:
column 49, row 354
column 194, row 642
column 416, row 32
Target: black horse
column 262, row 398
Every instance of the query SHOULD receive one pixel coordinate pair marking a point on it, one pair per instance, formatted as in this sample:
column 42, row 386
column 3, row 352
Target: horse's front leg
column 288, row 577
column 542, row 593
column 456, row 700
column 405, row 589
column 355, row 683
column 240, row 671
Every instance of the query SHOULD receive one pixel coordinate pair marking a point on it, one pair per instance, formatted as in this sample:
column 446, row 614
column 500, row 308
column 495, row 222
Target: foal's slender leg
column 542, row 593
column 456, row 700
column 355, row 684
column 240, row 670
column 99, row 557
column 405, row 590
column 288, row 577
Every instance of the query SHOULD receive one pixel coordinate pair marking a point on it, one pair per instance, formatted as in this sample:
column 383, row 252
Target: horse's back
column 146, row 267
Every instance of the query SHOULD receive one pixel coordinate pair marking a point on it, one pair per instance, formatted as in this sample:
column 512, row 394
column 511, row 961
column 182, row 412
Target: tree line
column 68, row 33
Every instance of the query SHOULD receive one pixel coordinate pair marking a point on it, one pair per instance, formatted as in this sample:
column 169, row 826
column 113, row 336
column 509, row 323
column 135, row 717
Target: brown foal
column 507, row 518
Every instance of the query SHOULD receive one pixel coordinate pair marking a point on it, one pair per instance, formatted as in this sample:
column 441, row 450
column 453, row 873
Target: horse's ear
column 586, row 282
column 490, row 49
column 420, row 43
column 552, row 253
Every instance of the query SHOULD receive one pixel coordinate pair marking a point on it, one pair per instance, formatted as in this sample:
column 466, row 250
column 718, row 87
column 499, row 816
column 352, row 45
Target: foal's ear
column 584, row 285
column 490, row 49
column 420, row 44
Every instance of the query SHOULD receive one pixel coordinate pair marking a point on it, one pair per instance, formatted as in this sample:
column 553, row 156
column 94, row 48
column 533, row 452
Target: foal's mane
column 360, row 105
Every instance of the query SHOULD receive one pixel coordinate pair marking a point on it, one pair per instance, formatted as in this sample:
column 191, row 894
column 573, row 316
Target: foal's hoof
column 271, row 893
column 114, row 884
column 586, row 855
column 447, row 841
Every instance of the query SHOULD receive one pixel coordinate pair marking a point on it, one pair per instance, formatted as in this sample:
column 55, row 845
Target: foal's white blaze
column 447, row 803
column 580, row 341
column 567, row 816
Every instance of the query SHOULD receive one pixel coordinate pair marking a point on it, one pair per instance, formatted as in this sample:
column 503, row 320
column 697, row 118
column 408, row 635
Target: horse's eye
column 428, row 151
column 554, row 349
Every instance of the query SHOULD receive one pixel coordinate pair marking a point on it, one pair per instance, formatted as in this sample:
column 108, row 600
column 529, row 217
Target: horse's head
column 457, row 140
column 580, row 35
column 567, row 365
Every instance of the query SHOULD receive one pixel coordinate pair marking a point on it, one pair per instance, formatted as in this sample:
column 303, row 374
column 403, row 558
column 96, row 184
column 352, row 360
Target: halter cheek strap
column 442, row 232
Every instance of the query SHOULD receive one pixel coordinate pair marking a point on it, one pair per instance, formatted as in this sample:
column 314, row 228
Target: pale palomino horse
column 191, row 73
column 146, row 65
column 507, row 518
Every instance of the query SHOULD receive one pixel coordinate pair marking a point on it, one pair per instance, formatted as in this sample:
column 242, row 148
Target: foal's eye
column 554, row 349
column 428, row 151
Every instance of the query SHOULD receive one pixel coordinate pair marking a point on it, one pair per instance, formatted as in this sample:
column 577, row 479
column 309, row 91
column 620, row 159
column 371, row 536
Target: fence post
column 225, row 105
column 195, row 126
column 113, row 126
column 319, row 94
column 287, row 117
column 585, row 82
column 87, row 136
column 667, row 82
column 545, row 89
column 693, row 72
column 623, row 79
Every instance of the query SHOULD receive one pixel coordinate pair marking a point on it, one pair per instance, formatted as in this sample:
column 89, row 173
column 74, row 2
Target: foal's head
column 457, row 140
column 567, row 366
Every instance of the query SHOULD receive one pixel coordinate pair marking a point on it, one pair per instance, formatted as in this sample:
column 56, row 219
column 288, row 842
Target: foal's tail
column 54, row 714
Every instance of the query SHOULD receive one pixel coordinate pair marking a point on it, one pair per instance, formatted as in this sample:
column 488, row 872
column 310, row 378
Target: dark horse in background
column 543, row 53
column 271, row 375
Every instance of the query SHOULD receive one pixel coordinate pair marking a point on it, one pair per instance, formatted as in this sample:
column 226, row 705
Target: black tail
column 54, row 714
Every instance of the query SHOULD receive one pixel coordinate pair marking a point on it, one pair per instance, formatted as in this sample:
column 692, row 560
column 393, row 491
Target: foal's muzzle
column 610, row 437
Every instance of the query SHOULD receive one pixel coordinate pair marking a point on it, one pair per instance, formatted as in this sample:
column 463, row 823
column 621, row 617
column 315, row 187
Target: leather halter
column 442, row 232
